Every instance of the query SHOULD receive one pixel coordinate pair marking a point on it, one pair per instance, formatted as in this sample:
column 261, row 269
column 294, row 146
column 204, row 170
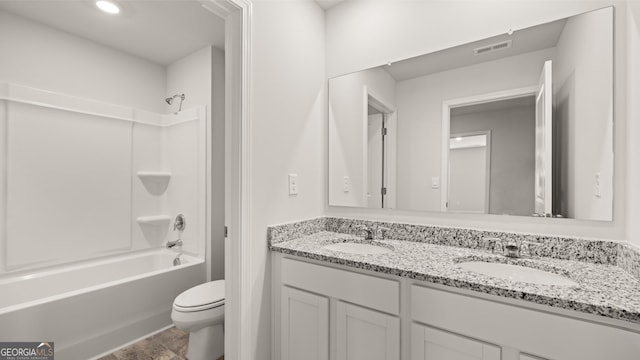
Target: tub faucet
column 171, row 244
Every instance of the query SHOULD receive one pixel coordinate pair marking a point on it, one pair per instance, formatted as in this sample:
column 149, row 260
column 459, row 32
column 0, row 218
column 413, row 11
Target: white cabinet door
column 304, row 325
column 428, row 343
column 363, row 334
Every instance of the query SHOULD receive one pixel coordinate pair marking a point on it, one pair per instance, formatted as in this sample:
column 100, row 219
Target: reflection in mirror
column 540, row 97
column 510, row 152
column 469, row 172
column 378, row 118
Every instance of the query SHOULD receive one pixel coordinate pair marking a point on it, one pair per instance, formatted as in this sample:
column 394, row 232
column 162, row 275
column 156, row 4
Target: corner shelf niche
column 156, row 182
column 154, row 227
column 154, row 220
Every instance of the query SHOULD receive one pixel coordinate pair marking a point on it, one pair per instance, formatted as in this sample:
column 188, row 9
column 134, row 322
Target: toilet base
column 206, row 343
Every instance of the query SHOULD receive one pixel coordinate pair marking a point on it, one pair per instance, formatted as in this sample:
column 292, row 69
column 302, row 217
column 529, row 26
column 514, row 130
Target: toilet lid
column 201, row 297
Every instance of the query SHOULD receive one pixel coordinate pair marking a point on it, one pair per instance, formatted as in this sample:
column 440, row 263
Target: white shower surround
column 69, row 181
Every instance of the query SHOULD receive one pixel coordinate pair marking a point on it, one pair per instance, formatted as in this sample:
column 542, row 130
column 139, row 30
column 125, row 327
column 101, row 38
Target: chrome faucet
column 508, row 248
column 373, row 232
column 180, row 223
column 369, row 233
column 511, row 249
column 171, row 244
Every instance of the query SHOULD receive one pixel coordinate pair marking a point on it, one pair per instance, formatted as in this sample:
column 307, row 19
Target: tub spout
column 171, row 244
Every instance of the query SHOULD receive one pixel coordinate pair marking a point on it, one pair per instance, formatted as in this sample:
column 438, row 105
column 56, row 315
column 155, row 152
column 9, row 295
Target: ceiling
column 519, row 102
column 161, row 31
column 522, row 41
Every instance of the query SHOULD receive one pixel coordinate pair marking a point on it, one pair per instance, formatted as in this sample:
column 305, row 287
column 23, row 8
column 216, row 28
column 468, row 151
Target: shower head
column 169, row 100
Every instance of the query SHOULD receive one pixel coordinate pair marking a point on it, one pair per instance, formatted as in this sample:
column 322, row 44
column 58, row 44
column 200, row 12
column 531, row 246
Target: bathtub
column 90, row 308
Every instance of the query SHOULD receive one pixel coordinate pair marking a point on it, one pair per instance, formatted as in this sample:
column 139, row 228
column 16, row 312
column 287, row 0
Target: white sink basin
column 357, row 248
column 517, row 273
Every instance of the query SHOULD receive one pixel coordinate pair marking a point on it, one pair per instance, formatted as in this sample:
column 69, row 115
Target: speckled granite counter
column 605, row 290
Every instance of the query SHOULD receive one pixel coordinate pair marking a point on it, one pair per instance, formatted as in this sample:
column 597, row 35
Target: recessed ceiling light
column 108, row 7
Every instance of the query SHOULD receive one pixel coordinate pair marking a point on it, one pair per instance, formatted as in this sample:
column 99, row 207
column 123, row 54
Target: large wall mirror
column 516, row 124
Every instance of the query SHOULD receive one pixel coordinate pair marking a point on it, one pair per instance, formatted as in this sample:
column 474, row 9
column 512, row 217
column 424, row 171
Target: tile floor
column 170, row 344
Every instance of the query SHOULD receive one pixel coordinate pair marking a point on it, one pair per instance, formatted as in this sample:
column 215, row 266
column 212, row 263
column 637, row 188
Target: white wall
column 633, row 130
column 42, row 57
column 394, row 30
column 64, row 204
column 200, row 76
column 583, row 111
column 348, row 131
column 420, row 117
column 287, row 135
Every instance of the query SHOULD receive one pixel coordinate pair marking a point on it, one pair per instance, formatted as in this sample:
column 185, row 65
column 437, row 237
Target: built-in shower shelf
column 154, row 220
column 154, row 174
column 155, row 182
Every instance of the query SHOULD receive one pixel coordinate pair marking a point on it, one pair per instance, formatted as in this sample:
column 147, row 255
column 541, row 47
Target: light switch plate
column 293, row 184
column 346, row 184
column 435, row 182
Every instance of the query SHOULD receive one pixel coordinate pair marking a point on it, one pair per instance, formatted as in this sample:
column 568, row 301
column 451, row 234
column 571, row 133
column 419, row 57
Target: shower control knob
column 180, row 223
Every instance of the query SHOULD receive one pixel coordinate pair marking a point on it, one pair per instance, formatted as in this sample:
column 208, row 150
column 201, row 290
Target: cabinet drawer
column 544, row 334
column 370, row 291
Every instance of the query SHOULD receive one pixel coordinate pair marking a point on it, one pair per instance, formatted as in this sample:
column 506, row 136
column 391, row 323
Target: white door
column 363, row 334
column 469, row 169
column 544, row 137
column 304, row 326
column 428, row 343
column 374, row 162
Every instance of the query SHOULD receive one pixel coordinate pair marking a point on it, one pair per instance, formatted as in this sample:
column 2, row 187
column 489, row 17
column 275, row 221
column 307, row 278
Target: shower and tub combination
column 90, row 194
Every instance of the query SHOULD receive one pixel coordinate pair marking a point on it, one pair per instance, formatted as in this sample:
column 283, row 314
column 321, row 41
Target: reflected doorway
column 380, row 172
column 509, row 169
column 469, row 172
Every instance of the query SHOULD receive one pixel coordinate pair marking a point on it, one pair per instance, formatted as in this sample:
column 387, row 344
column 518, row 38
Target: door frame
column 237, row 15
column 370, row 97
column 447, row 105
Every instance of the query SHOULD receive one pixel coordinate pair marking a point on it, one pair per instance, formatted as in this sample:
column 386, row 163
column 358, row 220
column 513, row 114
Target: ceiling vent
column 493, row 47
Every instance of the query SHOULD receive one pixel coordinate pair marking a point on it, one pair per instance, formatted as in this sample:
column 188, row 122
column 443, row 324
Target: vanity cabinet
column 305, row 325
column 329, row 313
column 335, row 313
column 428, row 343
column 516, row 330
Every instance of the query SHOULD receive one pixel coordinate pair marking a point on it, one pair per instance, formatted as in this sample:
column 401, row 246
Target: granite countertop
column 604, row 290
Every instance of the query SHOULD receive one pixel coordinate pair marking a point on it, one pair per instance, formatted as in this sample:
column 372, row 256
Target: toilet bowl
column 200, row 311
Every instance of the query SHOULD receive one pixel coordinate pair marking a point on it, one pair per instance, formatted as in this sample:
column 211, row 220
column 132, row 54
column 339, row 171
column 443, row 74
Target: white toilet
column 200, row 311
